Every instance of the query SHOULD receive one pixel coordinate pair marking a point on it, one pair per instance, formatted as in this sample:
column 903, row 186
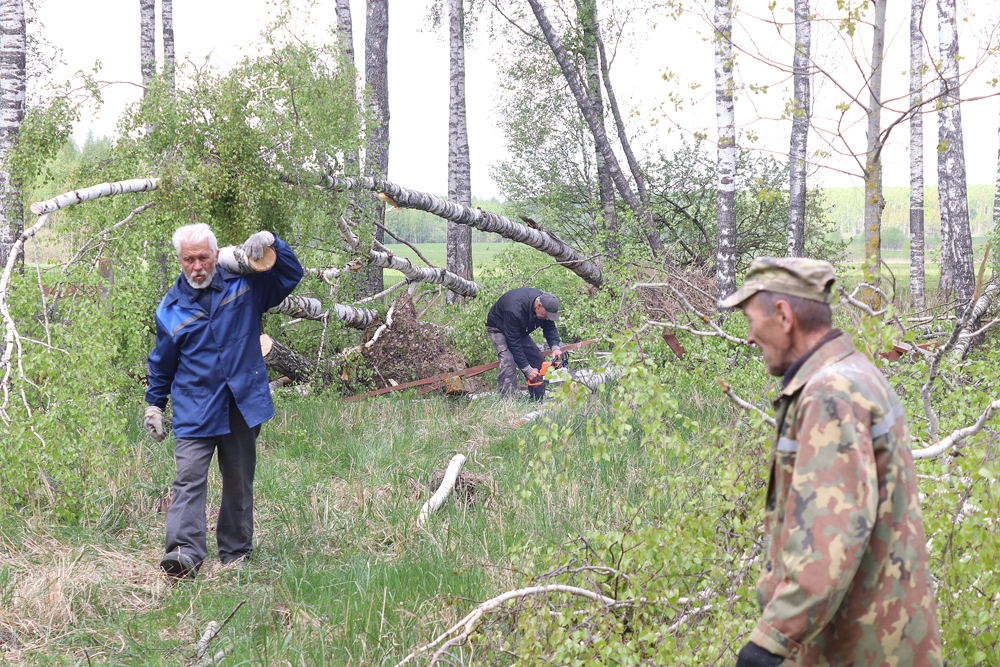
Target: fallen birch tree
column 309, row 308
column 540, row 239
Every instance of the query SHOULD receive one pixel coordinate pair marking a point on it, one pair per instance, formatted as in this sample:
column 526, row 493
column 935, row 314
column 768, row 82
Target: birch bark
column 641, row 209
column 587, row 11
column 798, row 150
column 725, row 267
column 13, row 78
column 169, row 59
column 956, row 246
column 459, row 250
column 874, row 203
column 377, row 150
column 345, row 30
column 917, row 278
column 147, row 41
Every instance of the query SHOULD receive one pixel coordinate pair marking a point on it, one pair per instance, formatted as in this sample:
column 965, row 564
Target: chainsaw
column 560, row 362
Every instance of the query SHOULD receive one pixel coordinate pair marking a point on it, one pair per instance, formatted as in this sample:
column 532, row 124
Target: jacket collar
column 186, row 296
column 830, row 350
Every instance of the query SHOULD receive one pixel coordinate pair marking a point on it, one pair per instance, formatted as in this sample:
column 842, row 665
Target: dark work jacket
column 207, row 352
column 513, row 315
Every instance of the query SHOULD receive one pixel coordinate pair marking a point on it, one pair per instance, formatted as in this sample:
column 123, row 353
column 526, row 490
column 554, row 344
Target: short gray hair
column 194, row 233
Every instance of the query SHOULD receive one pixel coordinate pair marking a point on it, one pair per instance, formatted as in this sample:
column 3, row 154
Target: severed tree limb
column 413, row 273
column 308, row 308
column 435, row 502
column 472, row 619
column 744, row 404
column 94, row 192
column 980, row 308
column 473, row 217
column 958, row 436
column 386, row 292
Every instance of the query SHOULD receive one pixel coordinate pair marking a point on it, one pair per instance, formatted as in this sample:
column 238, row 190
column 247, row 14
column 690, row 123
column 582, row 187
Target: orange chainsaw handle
column 545, row 368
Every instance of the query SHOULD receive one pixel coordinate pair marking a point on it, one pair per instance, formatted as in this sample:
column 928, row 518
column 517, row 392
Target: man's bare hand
column 153, row 423
column 534, row 375
column 556, row 353
column 255, row 245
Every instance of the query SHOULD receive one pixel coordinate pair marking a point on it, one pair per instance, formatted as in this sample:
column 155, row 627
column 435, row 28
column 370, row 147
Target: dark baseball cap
column 550, row 302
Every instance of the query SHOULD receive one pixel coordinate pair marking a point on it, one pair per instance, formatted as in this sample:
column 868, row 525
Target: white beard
column 200, row 284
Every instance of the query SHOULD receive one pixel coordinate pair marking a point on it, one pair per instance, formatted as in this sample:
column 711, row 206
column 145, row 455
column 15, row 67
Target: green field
column 436, row 253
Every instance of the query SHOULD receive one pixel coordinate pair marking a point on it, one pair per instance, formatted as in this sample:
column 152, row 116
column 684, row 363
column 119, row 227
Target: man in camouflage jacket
column 845, row 576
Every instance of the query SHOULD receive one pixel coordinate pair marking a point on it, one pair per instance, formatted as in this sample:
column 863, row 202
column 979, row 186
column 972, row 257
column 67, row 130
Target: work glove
column 255, row 245
column 752, row 655
column 153, row 423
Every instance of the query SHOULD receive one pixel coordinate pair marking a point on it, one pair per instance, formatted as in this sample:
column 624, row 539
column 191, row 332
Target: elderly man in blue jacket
column 208, row 359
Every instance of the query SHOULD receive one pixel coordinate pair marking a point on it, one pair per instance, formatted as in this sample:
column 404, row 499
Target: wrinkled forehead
column 201, row 248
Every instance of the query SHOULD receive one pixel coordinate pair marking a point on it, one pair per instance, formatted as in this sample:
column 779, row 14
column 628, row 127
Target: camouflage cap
column 796, row 276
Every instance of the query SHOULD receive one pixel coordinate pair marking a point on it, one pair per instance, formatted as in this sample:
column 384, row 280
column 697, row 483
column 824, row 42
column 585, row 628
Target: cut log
column 290, row 363
column 441, row 495
column 233, row 259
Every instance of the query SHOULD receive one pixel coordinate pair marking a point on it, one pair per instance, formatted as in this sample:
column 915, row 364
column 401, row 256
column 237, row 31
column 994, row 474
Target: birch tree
column 638, row 204
column 956, row 234
column 587, row 12
column 459, row 250
column 13, row 78
column 917, row 279
column 147, row 41
column 345, row 30
column 169, row 59
column 798, row 151
column 725, row 268
column 377, row 150
column 874, row 202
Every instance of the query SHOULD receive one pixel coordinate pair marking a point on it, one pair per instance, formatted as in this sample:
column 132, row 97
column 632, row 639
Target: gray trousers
column 186, row 515
column 507, row 376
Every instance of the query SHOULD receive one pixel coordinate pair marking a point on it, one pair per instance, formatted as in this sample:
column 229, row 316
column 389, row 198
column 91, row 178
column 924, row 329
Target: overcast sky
column 226, row 30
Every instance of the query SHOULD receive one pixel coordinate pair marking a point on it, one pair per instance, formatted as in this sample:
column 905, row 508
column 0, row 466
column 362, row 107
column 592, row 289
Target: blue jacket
column 210, row 360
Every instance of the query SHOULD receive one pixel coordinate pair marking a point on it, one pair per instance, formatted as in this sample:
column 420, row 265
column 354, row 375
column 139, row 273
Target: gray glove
column 255, row 245
column 153, row 423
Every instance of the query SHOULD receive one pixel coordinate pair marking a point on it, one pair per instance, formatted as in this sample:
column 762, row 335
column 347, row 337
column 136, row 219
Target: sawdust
column 409, row 349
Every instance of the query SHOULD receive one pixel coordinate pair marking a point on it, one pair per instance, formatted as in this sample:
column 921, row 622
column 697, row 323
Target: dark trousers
column 507, row 376
column 186, row 515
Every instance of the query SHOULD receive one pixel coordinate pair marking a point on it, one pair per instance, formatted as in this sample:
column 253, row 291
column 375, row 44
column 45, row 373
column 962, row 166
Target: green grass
column 341, row 574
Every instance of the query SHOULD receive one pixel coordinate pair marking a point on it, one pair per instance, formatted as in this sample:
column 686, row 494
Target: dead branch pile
column 410, row 349
column 660, row 303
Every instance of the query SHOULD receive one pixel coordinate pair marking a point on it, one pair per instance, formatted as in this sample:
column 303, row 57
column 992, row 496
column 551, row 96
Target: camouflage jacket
column 845, row 576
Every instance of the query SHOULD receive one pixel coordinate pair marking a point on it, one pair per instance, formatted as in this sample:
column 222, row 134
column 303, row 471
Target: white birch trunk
column 638, row 206
column 13, row 79
column 541, row 240
column 798, row 150
column 169, row 59
column 957, row 245
column 377, row 150
column 459, row 250
column 587, row 10
column 725, row 269
column 918, row 299
column 345, row 30
column 147, row 41
column 874, row 203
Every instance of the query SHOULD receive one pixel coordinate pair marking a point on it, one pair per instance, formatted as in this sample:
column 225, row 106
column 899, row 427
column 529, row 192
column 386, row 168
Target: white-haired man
column 208, row 360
